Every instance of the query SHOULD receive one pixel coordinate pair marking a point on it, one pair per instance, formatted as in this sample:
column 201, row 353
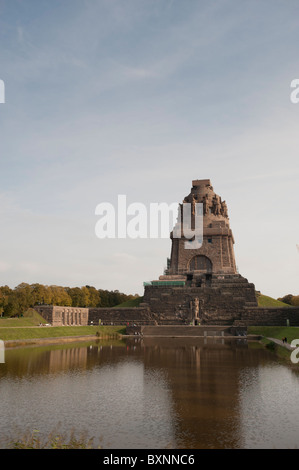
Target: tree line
column 14, row 302
column 290, row 299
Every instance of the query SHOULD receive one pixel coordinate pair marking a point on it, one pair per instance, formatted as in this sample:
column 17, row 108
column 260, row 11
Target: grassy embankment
column 266, row 301
column 29, row 319
column 277, row 332
column 12, row 334
column 130, row 303
column 27, row 327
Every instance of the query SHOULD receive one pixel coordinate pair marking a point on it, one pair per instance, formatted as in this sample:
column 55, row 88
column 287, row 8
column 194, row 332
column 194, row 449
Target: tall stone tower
column 201, row 284
column 216, row 255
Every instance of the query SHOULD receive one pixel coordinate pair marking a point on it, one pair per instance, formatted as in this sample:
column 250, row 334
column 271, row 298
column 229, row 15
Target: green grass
column 30, row 318
column 7, row 334
column 265, row 301
column 278, row 332
column 55, row 440
column 280, row 351
column 130, row 303
column 107, row 330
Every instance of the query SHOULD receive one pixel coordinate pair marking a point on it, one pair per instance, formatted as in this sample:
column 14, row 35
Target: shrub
column 272, row 346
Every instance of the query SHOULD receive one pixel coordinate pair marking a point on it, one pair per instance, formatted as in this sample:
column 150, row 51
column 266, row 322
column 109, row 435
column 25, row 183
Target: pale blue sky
column 139, row 97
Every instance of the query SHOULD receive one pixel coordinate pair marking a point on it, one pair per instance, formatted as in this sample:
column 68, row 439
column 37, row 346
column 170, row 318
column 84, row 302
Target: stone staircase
column 190, row 331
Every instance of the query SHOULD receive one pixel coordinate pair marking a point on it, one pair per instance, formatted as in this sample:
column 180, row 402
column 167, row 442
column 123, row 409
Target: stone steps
column 186, row 330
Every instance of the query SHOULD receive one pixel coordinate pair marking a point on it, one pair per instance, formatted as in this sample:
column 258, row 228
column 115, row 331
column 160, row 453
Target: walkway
column 280, row 343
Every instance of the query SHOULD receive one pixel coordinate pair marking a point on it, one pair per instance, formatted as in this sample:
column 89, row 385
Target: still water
column 153, row 393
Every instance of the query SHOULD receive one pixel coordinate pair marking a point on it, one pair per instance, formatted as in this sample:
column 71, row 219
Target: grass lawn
column 7, row 334
column 278, row 332
column 265, row 301
column 30, row 318
column 130, row 303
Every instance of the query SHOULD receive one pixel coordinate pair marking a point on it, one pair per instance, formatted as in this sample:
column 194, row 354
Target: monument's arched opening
column 201, row 263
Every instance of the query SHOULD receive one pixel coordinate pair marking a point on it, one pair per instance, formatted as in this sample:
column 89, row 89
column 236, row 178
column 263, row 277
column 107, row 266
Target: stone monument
column 202, row 284
column 217, row 253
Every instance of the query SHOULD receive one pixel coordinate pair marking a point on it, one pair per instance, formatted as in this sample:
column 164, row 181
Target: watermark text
column 2, row 352
column 136, row 221
column 2, row 92
column 294, row 357
column 294, row 97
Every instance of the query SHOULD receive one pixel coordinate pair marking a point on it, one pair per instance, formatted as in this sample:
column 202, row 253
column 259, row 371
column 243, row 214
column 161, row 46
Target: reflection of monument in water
column 50, row 359
column 64, row 359
column 191, row 388
column 205, row 382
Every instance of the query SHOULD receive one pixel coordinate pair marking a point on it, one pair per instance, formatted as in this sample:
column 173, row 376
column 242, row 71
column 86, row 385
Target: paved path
column 18, row 327
column 284, row 345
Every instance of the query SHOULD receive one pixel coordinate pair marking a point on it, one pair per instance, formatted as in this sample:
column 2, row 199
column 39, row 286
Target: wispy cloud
column 139, row 98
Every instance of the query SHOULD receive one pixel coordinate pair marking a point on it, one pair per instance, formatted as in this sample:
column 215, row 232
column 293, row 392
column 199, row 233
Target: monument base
column 205, row 299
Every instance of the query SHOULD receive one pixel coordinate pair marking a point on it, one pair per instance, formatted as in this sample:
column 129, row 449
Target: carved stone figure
column 216, row 205
column 193, row 205
column 224, row 209
column 206, row 205
column 196, row 307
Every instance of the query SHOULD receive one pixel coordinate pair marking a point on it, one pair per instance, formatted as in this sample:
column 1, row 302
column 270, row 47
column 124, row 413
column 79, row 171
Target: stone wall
column 264, row 316
column 218, row 248
column 120, row 316
column 175, row 306
column 177, row 331
column 46, row 311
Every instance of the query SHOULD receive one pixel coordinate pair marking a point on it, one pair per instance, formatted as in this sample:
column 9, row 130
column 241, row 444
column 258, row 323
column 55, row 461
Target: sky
column 138, row 98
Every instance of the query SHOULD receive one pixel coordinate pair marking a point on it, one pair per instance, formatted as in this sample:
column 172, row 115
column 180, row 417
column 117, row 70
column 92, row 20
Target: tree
column 60, row 296
column 80, row 296
column 287, row 299
column 295, row 300
column 23, row 297
column 11, row 309
column 41, row 294
column 5, row 292
column 16, row 301
column 94, row 297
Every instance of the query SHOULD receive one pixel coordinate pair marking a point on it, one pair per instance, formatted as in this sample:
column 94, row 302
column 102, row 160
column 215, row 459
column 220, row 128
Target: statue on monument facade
column 206, row 204
column 216, row 205
column 224, row 209
column 194, row 305
column 193, row 202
